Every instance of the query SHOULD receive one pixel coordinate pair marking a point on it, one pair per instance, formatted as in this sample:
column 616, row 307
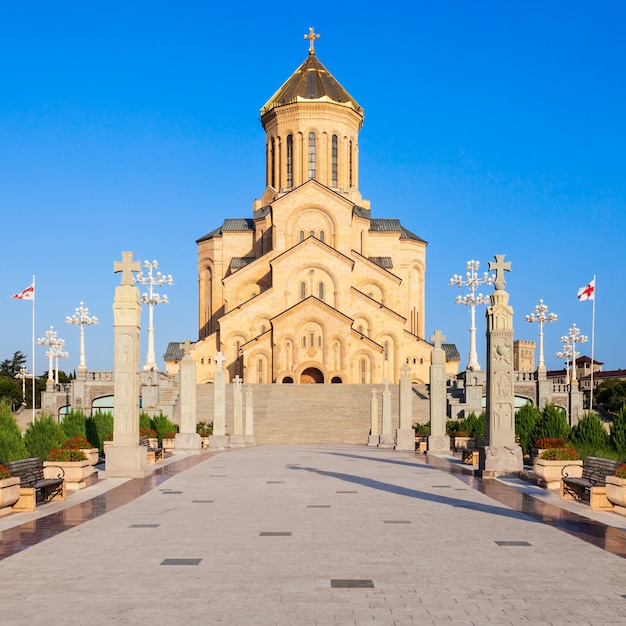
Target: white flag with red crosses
column 588, row 292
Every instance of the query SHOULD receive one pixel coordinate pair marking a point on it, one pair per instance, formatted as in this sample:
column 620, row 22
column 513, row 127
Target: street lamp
column 472, row 281
column 152, row 299
column 566, row 354
column 23, row 375
column 571, row 339
column 57, row 353
column 49, row 340
column 82, row 318
column 541, row 316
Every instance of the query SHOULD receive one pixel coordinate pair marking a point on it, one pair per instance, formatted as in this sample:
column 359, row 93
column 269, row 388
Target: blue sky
column 490, row 128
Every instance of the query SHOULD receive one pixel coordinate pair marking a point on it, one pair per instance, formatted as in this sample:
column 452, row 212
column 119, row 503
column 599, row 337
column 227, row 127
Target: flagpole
column 593, row 333
column 33, row 350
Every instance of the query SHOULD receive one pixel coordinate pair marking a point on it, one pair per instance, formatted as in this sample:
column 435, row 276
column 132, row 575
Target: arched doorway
column 311, row 375
column 287, row 379
column 336, row 380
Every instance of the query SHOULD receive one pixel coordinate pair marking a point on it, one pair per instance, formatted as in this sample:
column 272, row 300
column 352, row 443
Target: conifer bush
column 43, row 436
column 12, row 446
column 98, row 427
column 73, row 424
column 526, row 420
column 552, row 423
column 163, row 426
column 617, row 436
column 589, row 436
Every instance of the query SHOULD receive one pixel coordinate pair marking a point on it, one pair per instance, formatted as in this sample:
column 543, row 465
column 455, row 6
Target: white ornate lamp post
column 49, row 340
column 23, row 375
column 82, row 318
column 152, row 299
column 472, row 281
column 541, row 316
column 566, row 354
column 57, row 353
column 571, row 339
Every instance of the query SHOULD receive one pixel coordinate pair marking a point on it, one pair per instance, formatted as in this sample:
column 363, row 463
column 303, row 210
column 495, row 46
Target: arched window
column 319, row 341
column 311, row 340
column 272, row 165
column 333, row 161
column 260, row 371
column 302, row 290
column 312, row 145
column 321, row 235
column 304, row 341
column 301, row 235
column 362, row 371
column 386, row 347
column 290, row 160
column 263, row 328
column 321, row 291
column 350, row 164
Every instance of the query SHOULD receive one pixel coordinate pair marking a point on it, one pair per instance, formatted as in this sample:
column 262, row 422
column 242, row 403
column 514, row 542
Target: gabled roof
column 174, row 352
column 392, row 225
column 451, row 352
column 311, row 82
column 237, row 224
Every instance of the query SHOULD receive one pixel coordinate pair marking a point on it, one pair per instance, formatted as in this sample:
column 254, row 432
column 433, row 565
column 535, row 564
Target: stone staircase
column 312, row 414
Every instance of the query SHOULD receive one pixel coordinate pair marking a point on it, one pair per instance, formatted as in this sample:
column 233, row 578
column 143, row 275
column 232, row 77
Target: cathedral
column 311, row 288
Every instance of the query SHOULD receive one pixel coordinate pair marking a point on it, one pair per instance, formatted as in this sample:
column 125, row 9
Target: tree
column 12, row 446
column 552, row 424
column 610, row 394
column 618, row 433
column 9, row 368
column 526, row 420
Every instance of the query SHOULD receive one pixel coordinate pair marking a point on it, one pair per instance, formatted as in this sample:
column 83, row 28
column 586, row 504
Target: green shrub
column 560, row 454
column 617, row 436
column 526, row 420
column 589, row 434
column 163, row 426
column 144, row 420
column 552, row 423
column 12, row 446
column 476, row 424
column 73, row 424
column 42, row 436
column 421, row 430
column 99, row 426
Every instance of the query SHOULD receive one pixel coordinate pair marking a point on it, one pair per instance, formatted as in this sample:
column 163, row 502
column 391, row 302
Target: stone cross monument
column 219, row 439
column 374, row 436
column 125, row 457
column 501, row 455
column 249, row 419
column 237, row 439
column 187, row 440
column 438, row 441
column 405, row 435
column 386, row 436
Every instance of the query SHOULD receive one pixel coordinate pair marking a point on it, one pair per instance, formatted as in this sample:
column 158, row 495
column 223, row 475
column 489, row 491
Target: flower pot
column 616, row 493
column 549, row 472
column 9, row 493
column 92, row 455
column 76, row 472
column 168, row 444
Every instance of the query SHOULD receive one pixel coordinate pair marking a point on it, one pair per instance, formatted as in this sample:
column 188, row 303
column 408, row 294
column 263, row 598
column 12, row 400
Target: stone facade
column 311, row 288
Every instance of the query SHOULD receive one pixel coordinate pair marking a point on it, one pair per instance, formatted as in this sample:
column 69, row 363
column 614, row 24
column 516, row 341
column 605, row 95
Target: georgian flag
column 27, row 294
column 588, row 292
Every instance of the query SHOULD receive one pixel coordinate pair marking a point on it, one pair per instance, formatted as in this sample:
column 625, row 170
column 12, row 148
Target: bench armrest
column 565, row 473
column 60, row 472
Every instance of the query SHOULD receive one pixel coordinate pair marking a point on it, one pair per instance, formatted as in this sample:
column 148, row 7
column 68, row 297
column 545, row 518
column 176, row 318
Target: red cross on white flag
column 588, row 292
column 27, row 294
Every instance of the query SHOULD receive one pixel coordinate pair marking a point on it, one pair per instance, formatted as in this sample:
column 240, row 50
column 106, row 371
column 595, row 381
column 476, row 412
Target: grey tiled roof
column 407, row 234
column 174, row 352
column 237, row 224
column 361, row 212
column 382, row 261
column 386, row 224
column 237, row 262
column 452, row 354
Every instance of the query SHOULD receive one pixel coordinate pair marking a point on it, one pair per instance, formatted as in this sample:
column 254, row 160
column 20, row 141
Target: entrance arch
column 311, row 375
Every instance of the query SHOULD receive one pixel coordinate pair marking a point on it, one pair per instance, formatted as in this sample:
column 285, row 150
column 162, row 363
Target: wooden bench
column 154, row 454
column 34, row 487
column 591, row 486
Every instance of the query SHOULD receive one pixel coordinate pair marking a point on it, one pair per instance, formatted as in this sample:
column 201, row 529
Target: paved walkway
column 302, row 535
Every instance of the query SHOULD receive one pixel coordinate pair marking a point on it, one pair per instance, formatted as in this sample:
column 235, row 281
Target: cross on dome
column 312, row 36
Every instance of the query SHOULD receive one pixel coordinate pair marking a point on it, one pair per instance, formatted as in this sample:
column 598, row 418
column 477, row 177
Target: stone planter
column 9, row 493
column 205, row 442
column 461, row 443
column 153, row 442
column 168, row 444
column 549, row 472
column 76, row 472
column 616, row 493
column 92, row 455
